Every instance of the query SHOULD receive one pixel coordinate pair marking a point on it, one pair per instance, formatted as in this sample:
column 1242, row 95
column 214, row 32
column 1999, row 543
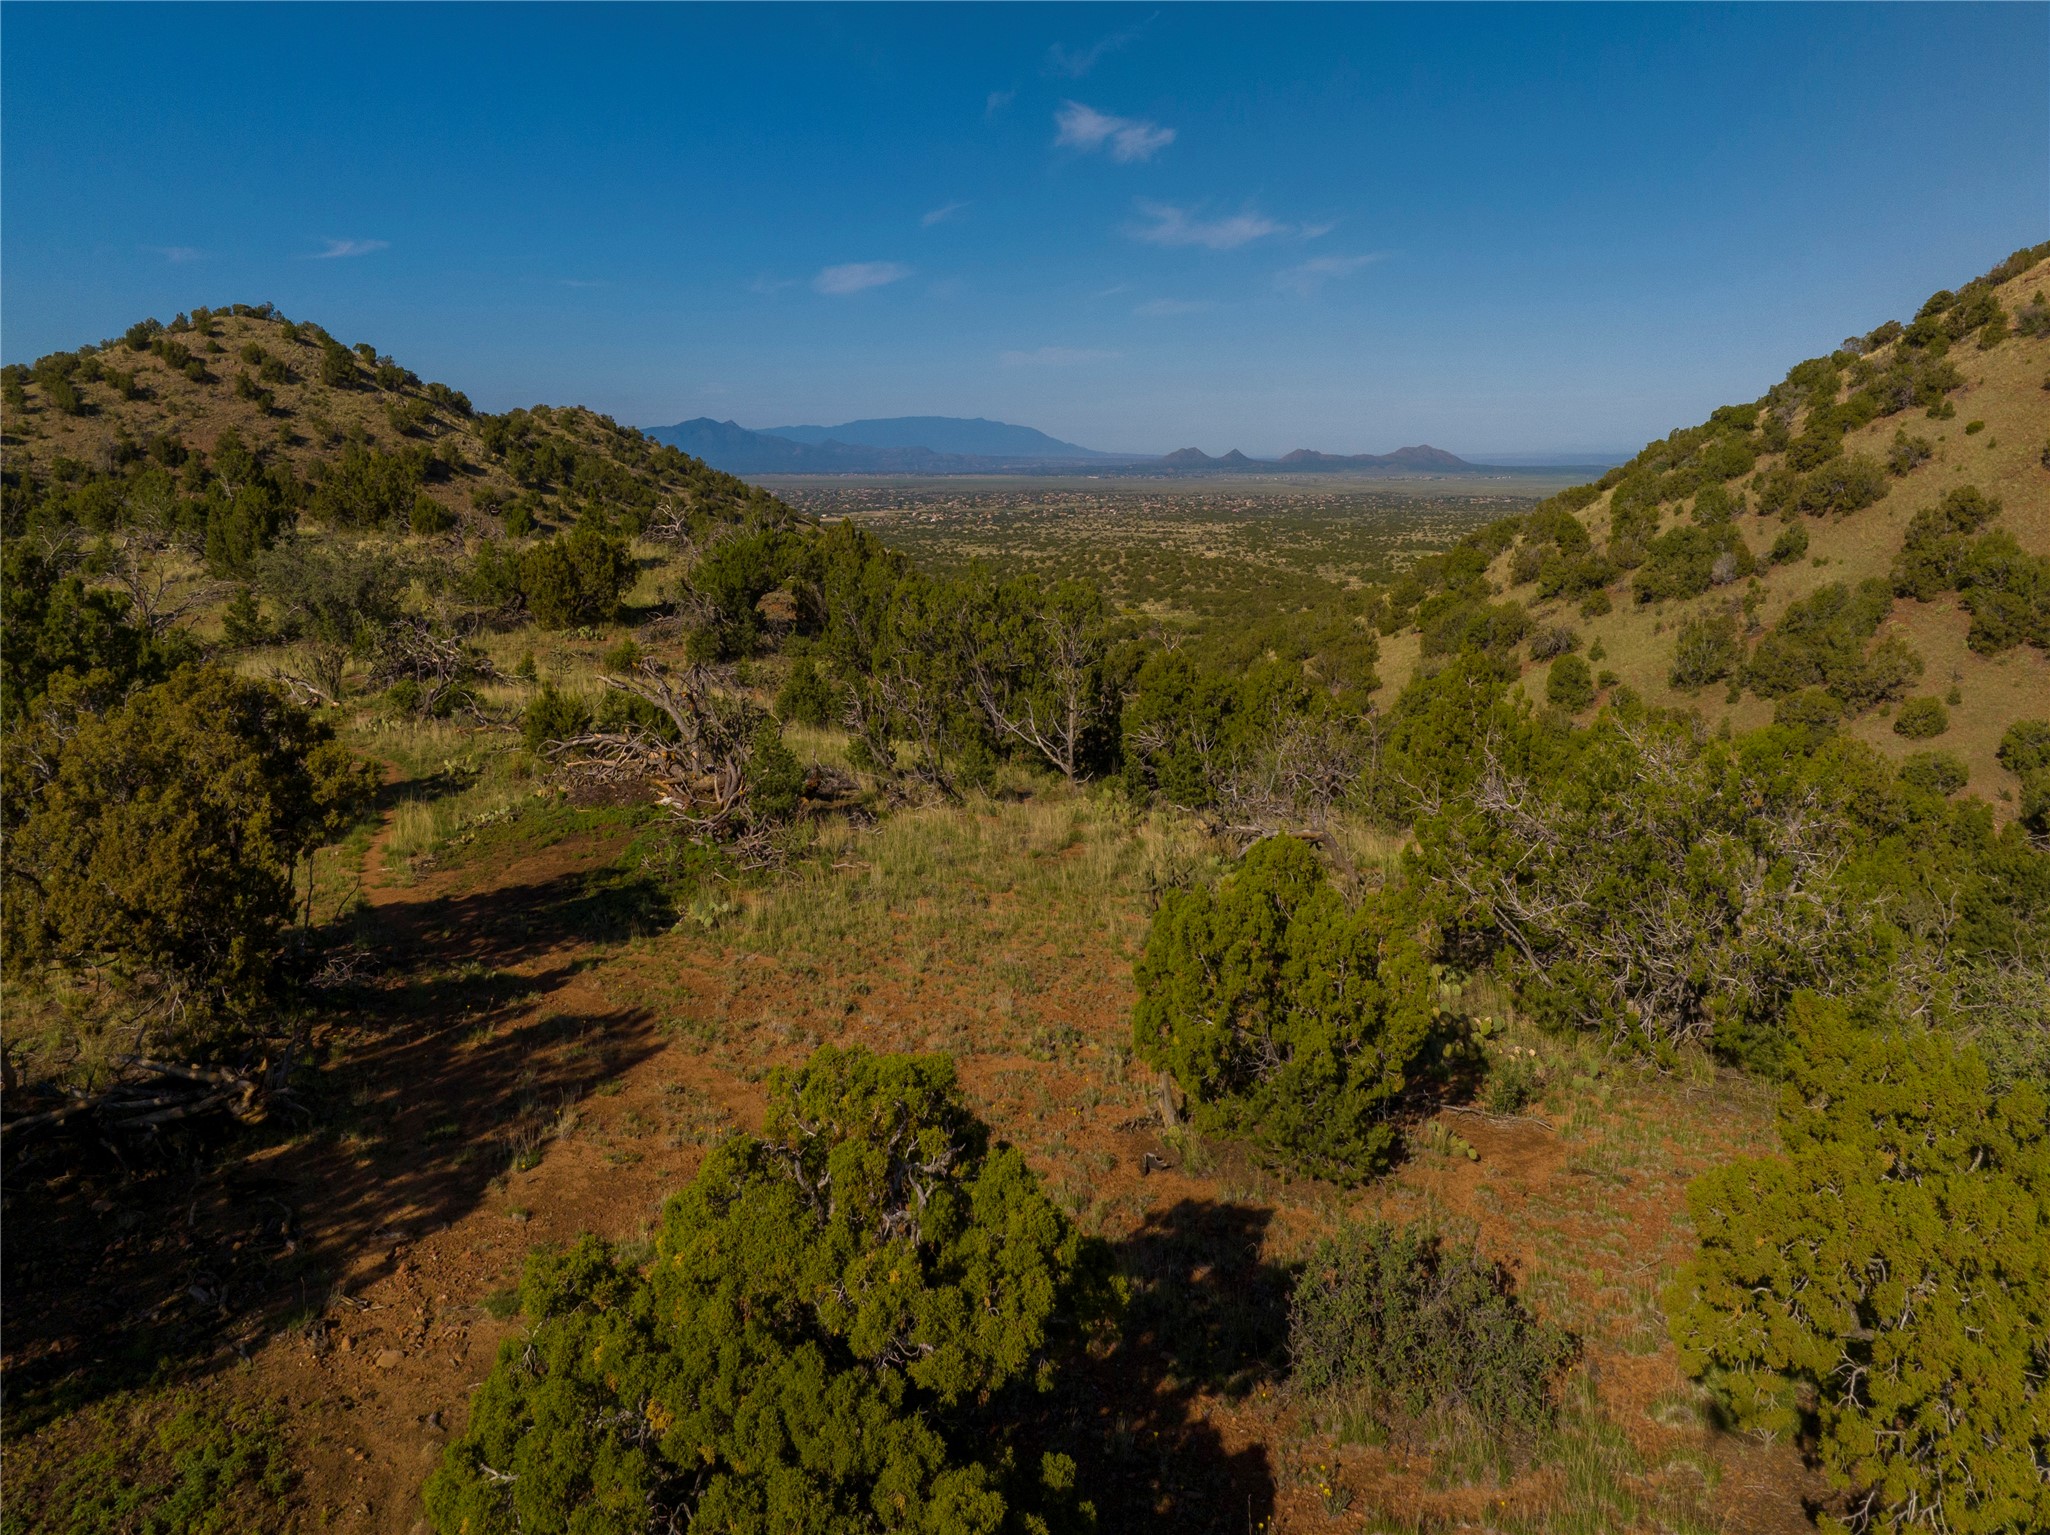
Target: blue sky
column 1504, row 229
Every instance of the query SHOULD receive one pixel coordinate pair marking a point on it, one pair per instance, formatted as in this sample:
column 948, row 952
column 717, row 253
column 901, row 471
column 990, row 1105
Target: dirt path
column 489, row 1030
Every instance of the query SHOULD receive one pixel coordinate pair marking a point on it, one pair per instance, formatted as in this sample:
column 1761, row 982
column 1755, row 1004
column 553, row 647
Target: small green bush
column 1884, row 1286
column 1422, row 1327
column 1570, row 685
column 1939, row 772
column 1920, row 719
column 843, row 1323
column 1687, row 561
column 1287, row 1016
column 1822, row 641
column 1513, row 1084
column 2025, row 747
column 1707, row 650
column 805, row 697
column 553, row 716
column 1811, row 711
column 1844, row 485
column 1908, row 453
column 430, row 516
column 2007, row 591
column 1791, row 545
column 575, row 579
column 1938, row 544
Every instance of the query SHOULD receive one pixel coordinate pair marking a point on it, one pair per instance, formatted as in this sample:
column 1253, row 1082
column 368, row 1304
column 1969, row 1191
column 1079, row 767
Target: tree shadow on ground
column 1207, row 1318
column 138, row 1262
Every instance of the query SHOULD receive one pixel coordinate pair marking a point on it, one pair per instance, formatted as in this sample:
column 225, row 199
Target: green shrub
column 1939, row 772
column 1570, row 686
column 844, row 1322
column 1686, row 561
column 153, row 849
column 1791, row 545
column 552, row 715
column 430, row 516
column 1285, row 1015
column 1907, row 453
column 337, row 367
column 365, row 488
column 2007, row 591
column 805, row 697
column 724, row 586
column 1921, row 718
column 2025, row 747
column 1707, row 650
column 1554, row 640
column 1885, row 1284
column 1491, row 628
column 1844, row 485
column 1513, row 1084
column 1421, row 1326
column 576, row 578
column 1822, row 642
column 1812, row 712
column 1938, row 543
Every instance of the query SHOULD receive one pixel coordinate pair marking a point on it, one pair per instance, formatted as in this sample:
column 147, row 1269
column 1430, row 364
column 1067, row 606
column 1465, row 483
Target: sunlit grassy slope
column 2007, row 388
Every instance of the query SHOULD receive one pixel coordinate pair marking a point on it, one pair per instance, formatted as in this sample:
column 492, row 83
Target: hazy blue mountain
column 893, row 448
column 973, row 437
column 729, row 446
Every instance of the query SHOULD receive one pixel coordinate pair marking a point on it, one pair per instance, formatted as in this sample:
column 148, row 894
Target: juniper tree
column 843, row 1326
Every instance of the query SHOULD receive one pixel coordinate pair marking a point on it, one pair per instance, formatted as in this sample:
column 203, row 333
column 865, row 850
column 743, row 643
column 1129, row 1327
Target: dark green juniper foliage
column 1706, row 651
column 1286, row 1015
column 1422, row 1327
column 1570, row 684
column 1822, row 641
column 844, row 1323
column 2025, row 752
column 152, row 845
column 1885, row 1284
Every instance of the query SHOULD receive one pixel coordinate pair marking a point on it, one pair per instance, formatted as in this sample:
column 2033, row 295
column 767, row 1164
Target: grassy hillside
column 1972, row 402
column 294, row 396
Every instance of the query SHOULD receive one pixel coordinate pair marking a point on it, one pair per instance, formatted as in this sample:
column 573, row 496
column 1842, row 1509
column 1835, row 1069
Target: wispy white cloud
column 1128, row 140
column 997, row 101
column 1163, row 308
column 584, row 282
column 857, row 276
column 941, row 214
column 335, row 250
column 1077, row 62
column 1315, row 231
column 1307, row 278
column 768, row 283
column 1113, row 290
column 1178, row 226
column 1056, row 357
column 176, row 254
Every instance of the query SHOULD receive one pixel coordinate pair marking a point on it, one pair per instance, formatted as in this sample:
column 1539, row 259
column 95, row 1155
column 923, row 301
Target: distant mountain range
column 951, row 445
column 974, row 437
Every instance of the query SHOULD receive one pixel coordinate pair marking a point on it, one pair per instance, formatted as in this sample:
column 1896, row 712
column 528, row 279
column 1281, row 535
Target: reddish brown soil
column 493, row 1018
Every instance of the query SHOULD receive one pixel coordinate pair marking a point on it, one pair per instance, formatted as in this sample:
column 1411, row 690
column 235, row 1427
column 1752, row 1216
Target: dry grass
column 2004, row 388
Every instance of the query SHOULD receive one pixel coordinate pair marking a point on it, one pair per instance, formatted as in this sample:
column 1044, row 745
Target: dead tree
column 410, row 649
column 696, row 759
